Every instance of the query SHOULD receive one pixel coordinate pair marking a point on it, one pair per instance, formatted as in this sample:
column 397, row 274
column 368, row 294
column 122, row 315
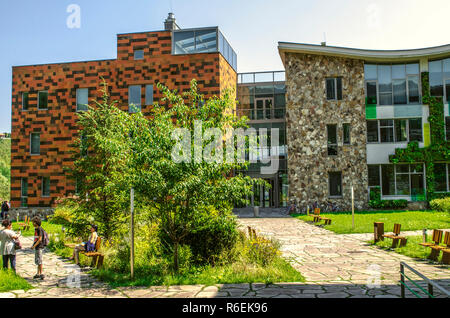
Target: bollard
column 256, row 211
column 378, row 231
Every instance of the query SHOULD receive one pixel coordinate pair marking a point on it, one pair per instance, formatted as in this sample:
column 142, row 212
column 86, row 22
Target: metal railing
column 431, row 284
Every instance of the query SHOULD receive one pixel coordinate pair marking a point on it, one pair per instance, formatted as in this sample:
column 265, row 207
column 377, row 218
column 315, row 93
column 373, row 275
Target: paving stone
column 7, row 295
column 333, row 295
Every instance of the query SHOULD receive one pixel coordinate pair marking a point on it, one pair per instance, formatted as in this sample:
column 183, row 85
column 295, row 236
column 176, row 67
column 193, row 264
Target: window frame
column 407, row 76
column 23, row 99
column 340, row 183
column 349, row 142
column 336, row 91
column 147, row 103
column 409, row 173
column 134, row 54
column 129, row 97
column 76, row 97
column 39, row 100
column 31, row 144
column 395, row 131
column 23, row 198
column 43, row 195
column 332, row 144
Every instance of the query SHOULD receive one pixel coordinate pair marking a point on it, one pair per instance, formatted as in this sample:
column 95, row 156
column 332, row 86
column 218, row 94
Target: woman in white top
column 7, row 246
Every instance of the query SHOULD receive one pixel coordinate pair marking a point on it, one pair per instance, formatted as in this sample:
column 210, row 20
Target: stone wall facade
column 308, row 114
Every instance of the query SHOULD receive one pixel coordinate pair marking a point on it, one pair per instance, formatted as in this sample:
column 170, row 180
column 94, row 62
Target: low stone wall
column 20, row 213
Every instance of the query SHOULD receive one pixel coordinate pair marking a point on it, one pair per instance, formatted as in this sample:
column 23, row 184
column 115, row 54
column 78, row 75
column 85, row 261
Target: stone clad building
column 348, row 110
column 309, row 116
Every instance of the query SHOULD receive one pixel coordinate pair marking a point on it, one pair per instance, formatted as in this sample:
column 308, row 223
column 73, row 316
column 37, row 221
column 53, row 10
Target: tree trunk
column 175, row 257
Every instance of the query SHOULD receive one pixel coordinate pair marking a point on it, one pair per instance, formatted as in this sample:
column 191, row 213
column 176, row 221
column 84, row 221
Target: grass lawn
column 47, row 226
column 412, row 248
column 410, row 220
column 10, row 281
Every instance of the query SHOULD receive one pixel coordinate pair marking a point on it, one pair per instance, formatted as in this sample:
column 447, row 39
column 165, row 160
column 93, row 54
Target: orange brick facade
column 57, row 124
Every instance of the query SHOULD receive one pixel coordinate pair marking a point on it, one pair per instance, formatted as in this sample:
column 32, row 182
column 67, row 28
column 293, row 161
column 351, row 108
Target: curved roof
column 367, row 55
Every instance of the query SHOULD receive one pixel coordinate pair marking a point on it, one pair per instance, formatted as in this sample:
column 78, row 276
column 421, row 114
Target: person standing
column 7, row 245
column 3, row 209
column 38, row 246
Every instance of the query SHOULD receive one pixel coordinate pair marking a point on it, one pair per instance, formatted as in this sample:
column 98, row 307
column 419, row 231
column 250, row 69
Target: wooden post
column 378, row 231
column 132, row 232
column 424, row 235
column 353, row 209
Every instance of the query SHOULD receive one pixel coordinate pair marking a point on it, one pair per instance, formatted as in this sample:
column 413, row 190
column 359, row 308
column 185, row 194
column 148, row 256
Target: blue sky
column 35, row 32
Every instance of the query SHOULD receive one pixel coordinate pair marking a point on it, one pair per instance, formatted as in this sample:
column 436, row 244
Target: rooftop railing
column 261, row 77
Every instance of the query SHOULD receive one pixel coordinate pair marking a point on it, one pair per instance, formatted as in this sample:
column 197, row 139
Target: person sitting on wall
column 88, row 246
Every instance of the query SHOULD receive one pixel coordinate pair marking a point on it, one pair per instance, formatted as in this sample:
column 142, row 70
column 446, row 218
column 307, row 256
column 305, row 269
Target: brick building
column 46, row 98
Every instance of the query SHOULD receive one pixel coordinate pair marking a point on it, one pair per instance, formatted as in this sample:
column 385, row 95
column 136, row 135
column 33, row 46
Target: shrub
column 210, row 234
column 260, row 250
column 441, row 204
column 63, row 213
column 376, row 202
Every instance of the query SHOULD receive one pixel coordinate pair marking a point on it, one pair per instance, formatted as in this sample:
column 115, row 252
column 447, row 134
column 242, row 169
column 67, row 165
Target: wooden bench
column 396, row 237
column 435, row 246
column 26, row 224
column 318, row 218
column 446, row 256
column 97, row 257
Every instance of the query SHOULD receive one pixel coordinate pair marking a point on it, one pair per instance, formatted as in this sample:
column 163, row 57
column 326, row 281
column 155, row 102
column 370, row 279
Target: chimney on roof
column 170, row 24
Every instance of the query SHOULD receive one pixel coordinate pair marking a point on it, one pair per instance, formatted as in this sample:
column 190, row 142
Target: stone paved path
column 335, row 266
column 340, row 260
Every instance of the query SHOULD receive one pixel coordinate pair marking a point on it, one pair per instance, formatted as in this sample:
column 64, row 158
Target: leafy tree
column 117, row 151
column 5, row 168
column 179, row 192
column 102, row 162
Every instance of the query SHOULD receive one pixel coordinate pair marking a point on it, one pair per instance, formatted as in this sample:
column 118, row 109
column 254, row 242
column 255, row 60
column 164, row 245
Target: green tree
column 5, row 168
column 179, row 192
column 102, row 162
